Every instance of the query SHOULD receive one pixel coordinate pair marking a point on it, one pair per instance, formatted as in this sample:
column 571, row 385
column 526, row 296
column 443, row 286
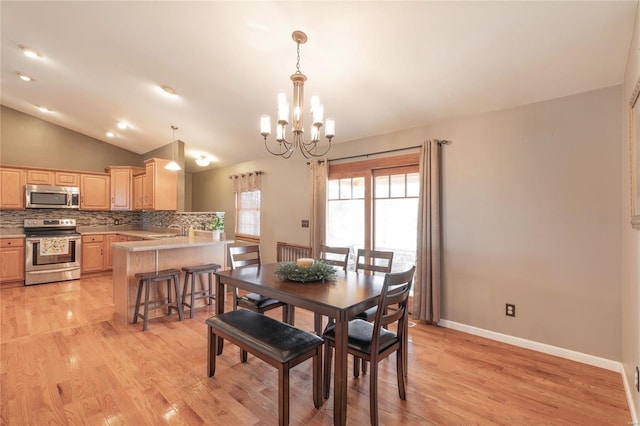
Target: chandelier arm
column 313, row 154
column 282, row 144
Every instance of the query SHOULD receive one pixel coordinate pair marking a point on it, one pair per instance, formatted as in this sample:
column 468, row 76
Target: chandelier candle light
column 286, row 147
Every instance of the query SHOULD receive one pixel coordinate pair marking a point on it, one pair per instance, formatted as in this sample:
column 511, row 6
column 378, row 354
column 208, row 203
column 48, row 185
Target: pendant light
column 173, row 165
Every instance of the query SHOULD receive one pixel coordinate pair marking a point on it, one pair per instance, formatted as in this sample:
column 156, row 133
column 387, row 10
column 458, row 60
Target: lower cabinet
column 11, row 259
column 92, row 253
column 97, row 253
column 108, row 250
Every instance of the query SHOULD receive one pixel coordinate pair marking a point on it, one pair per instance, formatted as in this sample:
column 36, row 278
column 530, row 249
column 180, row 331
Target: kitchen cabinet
column 160, row 186
column 138, row 195
column 94, row 191
column 121, row 187
column 12, row 183
column 66, row 179
column 11, row 259
column 92, row 253
column 52, row 177
column 108, row 250
column 40, row 177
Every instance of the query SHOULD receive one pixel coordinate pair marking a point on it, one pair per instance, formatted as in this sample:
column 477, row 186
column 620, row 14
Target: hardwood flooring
column 66, row 359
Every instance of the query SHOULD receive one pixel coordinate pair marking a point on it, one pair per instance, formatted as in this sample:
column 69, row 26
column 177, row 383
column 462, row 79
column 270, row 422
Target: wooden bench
column 276, row 343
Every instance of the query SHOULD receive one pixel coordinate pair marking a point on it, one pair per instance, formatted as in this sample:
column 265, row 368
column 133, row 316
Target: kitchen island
column 132, row 257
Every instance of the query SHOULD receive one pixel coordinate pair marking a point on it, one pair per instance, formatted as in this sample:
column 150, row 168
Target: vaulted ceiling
column 377, row 66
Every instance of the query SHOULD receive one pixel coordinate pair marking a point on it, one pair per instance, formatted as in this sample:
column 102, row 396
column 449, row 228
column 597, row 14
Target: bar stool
column 194, row 272
column 149, row 278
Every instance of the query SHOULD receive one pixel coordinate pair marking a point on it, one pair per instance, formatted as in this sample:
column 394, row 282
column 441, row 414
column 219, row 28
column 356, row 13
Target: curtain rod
column 440, row 141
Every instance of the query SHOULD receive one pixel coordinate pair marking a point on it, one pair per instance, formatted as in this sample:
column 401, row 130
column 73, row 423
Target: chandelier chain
column 298, row 61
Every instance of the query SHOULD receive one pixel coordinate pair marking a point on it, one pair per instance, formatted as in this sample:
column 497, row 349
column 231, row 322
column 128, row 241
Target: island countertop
column 132, row 257
column 168, row 243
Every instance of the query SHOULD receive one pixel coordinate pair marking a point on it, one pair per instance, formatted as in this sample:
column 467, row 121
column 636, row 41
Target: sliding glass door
column 374, row 205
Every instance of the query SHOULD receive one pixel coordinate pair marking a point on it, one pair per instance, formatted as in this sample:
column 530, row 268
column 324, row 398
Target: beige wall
column 531, row 216
column 630, row 307
column 284, row 199
column 28, row 141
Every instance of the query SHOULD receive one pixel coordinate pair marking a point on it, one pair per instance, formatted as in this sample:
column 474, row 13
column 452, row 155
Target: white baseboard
column 632, row 409
column 551, row 350
column 536, row 346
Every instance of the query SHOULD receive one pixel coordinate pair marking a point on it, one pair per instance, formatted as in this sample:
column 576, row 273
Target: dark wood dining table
column 349, row 294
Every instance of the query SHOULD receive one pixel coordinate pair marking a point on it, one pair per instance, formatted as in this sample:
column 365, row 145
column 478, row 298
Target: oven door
column 52, row 258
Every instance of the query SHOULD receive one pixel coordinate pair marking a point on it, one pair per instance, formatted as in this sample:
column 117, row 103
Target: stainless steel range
column 52, row 251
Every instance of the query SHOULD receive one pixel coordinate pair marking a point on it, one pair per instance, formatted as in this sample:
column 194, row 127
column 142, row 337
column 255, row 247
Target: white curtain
column 318, row 213
column 245, row 182
column 426, row 294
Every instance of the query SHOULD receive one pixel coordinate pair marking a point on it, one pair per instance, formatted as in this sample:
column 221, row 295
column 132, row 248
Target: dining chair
column 371, row 262
column 240, row 257
column 374, row 342
column 335, row 256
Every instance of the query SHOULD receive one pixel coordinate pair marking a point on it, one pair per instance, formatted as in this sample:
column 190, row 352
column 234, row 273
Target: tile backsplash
column 135, row 219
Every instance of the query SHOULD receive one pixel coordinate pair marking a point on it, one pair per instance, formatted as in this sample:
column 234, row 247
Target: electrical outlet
column 510, row 310
column 305, row 223
column 637, row 379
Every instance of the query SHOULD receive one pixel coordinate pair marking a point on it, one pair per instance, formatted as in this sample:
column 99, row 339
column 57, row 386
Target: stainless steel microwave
column 52, row 197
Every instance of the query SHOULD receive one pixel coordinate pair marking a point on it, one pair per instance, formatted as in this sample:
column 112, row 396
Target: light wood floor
column 65, row 359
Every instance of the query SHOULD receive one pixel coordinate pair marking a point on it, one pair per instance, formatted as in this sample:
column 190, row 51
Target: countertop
column 12, row 233
column 168, row 243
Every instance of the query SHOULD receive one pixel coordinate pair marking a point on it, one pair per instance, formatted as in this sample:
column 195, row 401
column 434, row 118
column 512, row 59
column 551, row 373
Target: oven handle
column 37, row 239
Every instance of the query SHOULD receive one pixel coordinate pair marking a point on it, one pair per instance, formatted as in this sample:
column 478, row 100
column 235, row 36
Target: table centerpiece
column 305, row 270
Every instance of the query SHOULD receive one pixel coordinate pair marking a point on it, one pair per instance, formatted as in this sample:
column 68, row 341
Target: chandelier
column 286, row 147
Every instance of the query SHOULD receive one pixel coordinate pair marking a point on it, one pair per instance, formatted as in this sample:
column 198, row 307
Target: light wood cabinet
column 93, row 253
column 40, row 177
column 11, row 259
column 160, row 186
column 121, row 187
column 12, row 183
column 138, row 194
column 94, row 191
column 108, row 250
column 123, row 194
column 66, row 179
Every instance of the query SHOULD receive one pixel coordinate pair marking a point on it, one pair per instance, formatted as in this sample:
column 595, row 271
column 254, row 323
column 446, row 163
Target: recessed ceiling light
column 24, row 77
column 123, row 125
column 30, row 52
column 168, row 90
column 203, row 161
column 111, row 135
column 43, row 109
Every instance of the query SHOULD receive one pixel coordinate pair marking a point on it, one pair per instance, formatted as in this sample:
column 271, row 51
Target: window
column 248, row 213
column 373, row 204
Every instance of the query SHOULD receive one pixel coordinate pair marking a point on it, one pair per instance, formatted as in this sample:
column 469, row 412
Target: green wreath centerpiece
column 317, row 272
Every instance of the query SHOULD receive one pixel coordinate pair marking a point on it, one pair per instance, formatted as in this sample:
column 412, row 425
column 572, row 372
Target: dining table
column 340, row 298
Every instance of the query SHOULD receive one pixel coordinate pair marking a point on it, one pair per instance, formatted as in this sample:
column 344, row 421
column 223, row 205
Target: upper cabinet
column 138, row 192
column 94, row 191
column 66, row 179
column 160, row 186
column 52, row 177
column 40, row 177
column 12, row 183
column 122, row 188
